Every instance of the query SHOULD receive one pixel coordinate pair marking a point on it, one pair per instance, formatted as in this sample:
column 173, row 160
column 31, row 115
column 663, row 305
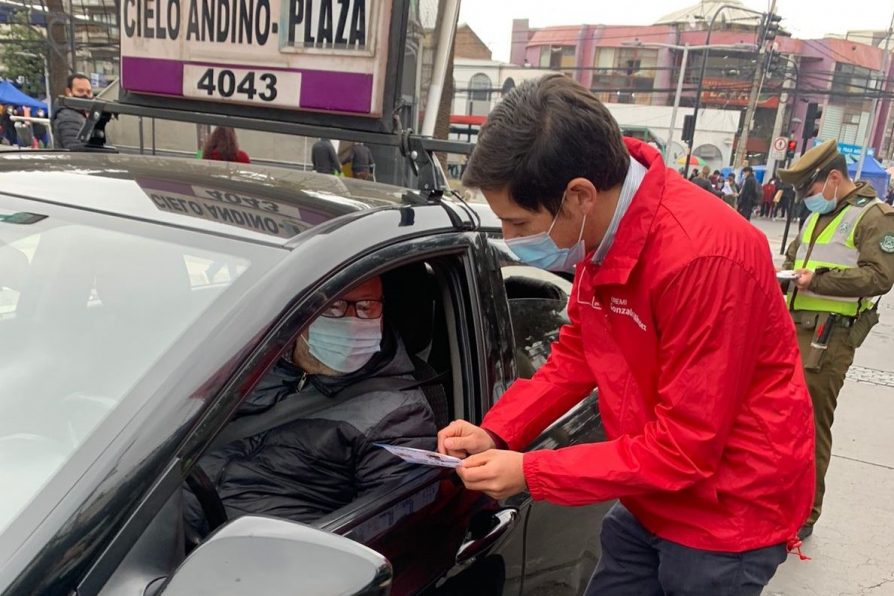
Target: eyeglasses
column 363, row 309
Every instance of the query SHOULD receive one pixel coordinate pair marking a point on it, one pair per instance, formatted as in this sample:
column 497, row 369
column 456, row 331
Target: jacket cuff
column 531, row 468
column 499, row 443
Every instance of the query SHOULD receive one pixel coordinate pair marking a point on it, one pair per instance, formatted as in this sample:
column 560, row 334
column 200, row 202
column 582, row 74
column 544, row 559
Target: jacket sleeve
column 711, row 317
column 410, row 425
column 791, row 253
column 529, row 406
column 874, row 273
column 333, row 159
column 66, row 132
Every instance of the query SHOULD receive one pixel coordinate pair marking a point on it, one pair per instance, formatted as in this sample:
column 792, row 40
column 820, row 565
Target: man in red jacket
column 675, row 316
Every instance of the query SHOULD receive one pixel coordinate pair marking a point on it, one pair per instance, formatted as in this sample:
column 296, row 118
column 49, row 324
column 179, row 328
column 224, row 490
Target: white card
column 786, row 275
column 421, row 456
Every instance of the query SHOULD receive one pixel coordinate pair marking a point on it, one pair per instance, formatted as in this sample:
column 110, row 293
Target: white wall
column 715, row 127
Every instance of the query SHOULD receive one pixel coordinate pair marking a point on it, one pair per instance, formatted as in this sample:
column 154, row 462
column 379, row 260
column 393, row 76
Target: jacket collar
column 634, row 228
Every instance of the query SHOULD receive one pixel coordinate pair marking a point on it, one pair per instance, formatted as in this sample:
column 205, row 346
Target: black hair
column 73, row 77
column 545, row 133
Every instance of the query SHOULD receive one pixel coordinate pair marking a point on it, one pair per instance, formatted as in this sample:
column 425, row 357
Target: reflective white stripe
column 844, row 299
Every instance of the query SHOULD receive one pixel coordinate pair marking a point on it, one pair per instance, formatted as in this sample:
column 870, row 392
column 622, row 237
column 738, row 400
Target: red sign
column 732, row 92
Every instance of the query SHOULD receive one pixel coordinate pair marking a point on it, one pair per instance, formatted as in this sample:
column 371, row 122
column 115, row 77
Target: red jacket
column 684, row 330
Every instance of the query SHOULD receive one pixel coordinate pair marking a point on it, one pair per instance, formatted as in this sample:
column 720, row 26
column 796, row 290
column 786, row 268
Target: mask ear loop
column 556, row 216
column 582, row 226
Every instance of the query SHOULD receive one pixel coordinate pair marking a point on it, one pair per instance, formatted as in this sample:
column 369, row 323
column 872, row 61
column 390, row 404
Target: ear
column 581, row 195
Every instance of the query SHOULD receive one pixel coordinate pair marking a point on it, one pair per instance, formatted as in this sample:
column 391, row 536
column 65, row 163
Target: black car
column 142, row 298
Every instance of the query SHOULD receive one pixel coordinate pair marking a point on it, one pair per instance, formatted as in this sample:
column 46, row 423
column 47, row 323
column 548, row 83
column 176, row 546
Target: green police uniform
column 851, row 251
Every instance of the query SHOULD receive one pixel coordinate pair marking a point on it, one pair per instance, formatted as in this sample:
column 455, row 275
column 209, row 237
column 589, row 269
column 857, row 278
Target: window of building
column 480, row 87
column 557, row 57
column 625, row 75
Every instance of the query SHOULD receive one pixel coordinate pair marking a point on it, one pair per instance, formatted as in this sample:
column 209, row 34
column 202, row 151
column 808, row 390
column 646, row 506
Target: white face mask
column 344, row 344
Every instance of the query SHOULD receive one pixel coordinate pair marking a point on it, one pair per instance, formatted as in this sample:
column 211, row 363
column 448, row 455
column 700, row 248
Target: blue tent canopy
column 872, row 172
column 11, row 96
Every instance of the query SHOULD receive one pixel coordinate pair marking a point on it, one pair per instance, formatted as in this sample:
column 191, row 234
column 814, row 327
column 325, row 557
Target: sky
column 806, row 19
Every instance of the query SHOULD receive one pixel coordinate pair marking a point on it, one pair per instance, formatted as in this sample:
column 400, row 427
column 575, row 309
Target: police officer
column 843, row 257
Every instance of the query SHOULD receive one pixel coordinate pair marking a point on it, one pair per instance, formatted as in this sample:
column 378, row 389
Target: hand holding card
column 421, row 456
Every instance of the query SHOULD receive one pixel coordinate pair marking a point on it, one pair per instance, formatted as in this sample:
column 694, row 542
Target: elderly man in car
column 309, row 467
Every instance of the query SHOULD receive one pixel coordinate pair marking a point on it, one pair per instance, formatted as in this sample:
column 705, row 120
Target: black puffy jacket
column 67, row 124
column 313, row 466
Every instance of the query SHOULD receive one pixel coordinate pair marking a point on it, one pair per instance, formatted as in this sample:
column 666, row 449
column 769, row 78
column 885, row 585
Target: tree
column 22, row 54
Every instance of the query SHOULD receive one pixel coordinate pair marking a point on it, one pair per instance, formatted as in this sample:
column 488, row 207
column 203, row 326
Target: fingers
column 452, row 439
column 461, row 438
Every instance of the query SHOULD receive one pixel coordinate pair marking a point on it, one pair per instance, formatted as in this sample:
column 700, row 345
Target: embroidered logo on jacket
column 619, row 307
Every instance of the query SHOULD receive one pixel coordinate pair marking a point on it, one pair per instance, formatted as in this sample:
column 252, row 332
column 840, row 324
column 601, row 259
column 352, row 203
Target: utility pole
column 668, row 151
column 784, row 101
column 883, row 80
column 741, row 148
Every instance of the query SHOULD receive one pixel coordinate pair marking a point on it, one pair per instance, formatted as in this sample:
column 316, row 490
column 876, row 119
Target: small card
column 786, row 275
column 421, row 456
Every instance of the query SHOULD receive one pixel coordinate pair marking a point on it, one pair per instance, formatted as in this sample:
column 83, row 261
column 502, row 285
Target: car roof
column 254, row 202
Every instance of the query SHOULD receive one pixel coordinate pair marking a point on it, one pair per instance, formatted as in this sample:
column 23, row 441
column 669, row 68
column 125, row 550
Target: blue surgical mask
column 819, row 204
column 540, row 250
column 344, row 344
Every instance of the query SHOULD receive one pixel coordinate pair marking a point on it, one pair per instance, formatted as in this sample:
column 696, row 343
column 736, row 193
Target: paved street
column 852, row 548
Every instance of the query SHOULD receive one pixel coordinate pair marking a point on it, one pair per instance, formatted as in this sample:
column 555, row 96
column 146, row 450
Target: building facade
column 635, row 70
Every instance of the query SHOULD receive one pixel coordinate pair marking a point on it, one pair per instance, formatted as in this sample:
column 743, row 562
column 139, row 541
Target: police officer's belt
column 808, row 319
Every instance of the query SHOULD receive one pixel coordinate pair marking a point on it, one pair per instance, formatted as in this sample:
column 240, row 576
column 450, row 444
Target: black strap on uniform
column 291, row 409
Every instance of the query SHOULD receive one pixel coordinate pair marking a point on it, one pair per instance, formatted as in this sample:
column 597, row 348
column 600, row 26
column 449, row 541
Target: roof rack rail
column 416, row 149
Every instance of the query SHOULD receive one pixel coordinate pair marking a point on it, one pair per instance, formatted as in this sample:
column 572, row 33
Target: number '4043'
column 224, row 84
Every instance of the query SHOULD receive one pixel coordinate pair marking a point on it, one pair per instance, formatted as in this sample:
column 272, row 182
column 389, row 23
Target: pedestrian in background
column 675, row 315
column 730, row 191
column 749, row 195
column 717, row 182
column 701, row 180
column 843, row 257
column 222, row 145
column 68, row 122
column 768, row 192
column 362, row 163
column 324, row 157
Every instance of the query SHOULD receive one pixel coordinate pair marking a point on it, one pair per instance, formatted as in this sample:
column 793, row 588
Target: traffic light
column 770, row 27
column 812, row 120
column 791, row 149
column 775, row 62
column 688, row 129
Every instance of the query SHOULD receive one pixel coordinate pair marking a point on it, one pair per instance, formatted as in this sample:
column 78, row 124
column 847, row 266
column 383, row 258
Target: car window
column 90, row 304
column 538, row 301
column 16, row 257
column 356, row 380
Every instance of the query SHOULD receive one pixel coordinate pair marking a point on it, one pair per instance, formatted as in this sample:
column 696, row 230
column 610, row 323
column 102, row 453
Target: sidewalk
column 852, row 547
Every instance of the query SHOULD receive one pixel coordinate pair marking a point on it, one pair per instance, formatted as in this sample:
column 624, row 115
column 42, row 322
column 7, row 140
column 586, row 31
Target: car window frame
column 264, row 354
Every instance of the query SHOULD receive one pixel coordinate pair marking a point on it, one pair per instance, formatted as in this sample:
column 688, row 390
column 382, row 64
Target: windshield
column 88, row 304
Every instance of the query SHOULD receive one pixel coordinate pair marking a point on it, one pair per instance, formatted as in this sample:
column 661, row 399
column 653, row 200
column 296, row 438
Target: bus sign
column 325, row 56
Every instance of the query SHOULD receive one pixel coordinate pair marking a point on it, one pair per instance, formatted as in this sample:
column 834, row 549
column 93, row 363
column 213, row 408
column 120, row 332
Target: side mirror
column 262, row 555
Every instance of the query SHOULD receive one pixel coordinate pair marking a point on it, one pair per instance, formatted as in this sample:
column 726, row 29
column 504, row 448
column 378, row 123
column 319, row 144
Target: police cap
column 806, row 169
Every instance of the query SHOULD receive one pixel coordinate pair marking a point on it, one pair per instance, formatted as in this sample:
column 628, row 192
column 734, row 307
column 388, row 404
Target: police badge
column 887, row 243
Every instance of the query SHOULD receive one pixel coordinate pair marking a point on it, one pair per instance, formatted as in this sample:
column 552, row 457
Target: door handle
column 470, row 549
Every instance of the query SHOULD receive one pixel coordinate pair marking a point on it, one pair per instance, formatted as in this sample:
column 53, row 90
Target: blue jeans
column 635, row 562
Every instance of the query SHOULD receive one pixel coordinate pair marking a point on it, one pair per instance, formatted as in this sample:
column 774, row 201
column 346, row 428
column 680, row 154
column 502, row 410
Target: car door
column 439, row 537
column 562, row 543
